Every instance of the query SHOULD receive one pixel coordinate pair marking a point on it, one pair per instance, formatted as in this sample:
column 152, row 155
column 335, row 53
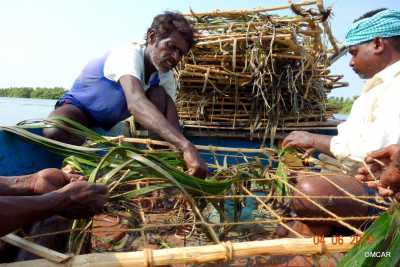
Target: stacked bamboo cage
column 255, row 72
column 161, row 228
column 170, row 217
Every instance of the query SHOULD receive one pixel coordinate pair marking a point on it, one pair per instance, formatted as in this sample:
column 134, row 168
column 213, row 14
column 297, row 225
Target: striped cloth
column 383, row 24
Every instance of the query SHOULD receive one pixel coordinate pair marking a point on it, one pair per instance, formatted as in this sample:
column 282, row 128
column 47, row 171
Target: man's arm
column 15, row 185
column 41, row 182
column 149, row 117
column 18, row 211
column 308, row 140
column 77, row 200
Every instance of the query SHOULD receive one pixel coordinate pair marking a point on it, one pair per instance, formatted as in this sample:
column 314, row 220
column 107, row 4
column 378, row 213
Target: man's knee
column 164, row 103
column 73, row 113
column 54, row 133
column 308, row 187
column 322, row 190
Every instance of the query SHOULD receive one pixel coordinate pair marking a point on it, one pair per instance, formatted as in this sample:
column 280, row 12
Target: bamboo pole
column 243, row 12
column 327, row 29
column 190, row 255
column 35, row 249
column 199, row 147
column 253, row 38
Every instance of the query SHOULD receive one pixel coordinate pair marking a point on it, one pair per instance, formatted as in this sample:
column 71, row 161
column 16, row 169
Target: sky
column 46, row 43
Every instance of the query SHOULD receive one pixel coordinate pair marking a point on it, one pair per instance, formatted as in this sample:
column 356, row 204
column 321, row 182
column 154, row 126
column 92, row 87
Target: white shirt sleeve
column 126, row 60
column 374, row 123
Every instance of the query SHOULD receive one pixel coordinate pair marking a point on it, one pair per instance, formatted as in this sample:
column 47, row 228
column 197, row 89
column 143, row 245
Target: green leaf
column 142, row 191
column 371, row 241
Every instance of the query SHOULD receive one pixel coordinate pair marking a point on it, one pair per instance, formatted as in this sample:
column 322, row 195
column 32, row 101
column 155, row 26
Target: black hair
column 168, row 22
column 370, row 14
column 395, row 40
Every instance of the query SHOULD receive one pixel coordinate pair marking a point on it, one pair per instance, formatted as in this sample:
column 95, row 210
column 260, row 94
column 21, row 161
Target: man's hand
column 384, row 165
column 51, row 179
column 299, row 139
column 82, row 199
column 194, row 163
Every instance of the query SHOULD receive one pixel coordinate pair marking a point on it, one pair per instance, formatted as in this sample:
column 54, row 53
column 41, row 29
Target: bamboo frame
column 226, row 251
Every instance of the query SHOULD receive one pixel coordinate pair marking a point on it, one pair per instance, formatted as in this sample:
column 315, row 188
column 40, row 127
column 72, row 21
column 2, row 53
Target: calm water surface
column 14, row 110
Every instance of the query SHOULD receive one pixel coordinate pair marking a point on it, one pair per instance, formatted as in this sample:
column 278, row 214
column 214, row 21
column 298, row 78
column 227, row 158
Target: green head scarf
column 383, row 24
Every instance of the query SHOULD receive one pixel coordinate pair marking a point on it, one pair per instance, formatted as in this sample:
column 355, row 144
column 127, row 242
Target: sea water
column 14, row 110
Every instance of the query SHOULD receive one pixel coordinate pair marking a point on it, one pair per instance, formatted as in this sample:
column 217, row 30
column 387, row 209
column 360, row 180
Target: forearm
column 16, row 185
column 322, row 143
column 18, row 211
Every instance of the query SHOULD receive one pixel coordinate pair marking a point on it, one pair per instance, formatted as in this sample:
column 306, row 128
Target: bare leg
column 317, row 186
column 71, row 112
column 172, row 114
column 164, row 104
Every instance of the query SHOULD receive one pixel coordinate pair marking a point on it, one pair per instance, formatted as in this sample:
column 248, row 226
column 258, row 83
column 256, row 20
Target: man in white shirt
column 134, row 80
column 374, row 122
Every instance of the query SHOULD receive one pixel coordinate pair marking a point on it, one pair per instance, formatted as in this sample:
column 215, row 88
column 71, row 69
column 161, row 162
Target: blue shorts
column 66, row 99
column 102, row 113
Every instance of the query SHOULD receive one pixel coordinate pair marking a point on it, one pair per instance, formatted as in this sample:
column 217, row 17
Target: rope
column 258, row 222
column 148, row 257
column 229, row 251
column 273, row 213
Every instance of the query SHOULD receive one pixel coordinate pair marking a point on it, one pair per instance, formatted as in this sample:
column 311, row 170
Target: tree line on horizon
column 343, row 104
column 30, row 92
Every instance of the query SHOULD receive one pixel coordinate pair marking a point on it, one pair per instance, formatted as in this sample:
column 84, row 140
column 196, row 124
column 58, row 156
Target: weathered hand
column 384, row 164
column 82, row 199
column 194, row 163
column 51, row 179
column 299, row 139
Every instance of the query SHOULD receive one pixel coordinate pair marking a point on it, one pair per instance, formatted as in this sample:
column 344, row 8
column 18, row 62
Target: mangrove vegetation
column 30, row 92
column 343, row 104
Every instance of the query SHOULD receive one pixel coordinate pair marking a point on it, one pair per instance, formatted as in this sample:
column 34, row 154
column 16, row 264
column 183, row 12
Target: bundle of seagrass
column 253, row 71
column 169, row 217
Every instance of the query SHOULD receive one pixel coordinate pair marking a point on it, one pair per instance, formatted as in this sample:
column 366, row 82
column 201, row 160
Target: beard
column 155, row 61
column 361, row 75
column 158, row 64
